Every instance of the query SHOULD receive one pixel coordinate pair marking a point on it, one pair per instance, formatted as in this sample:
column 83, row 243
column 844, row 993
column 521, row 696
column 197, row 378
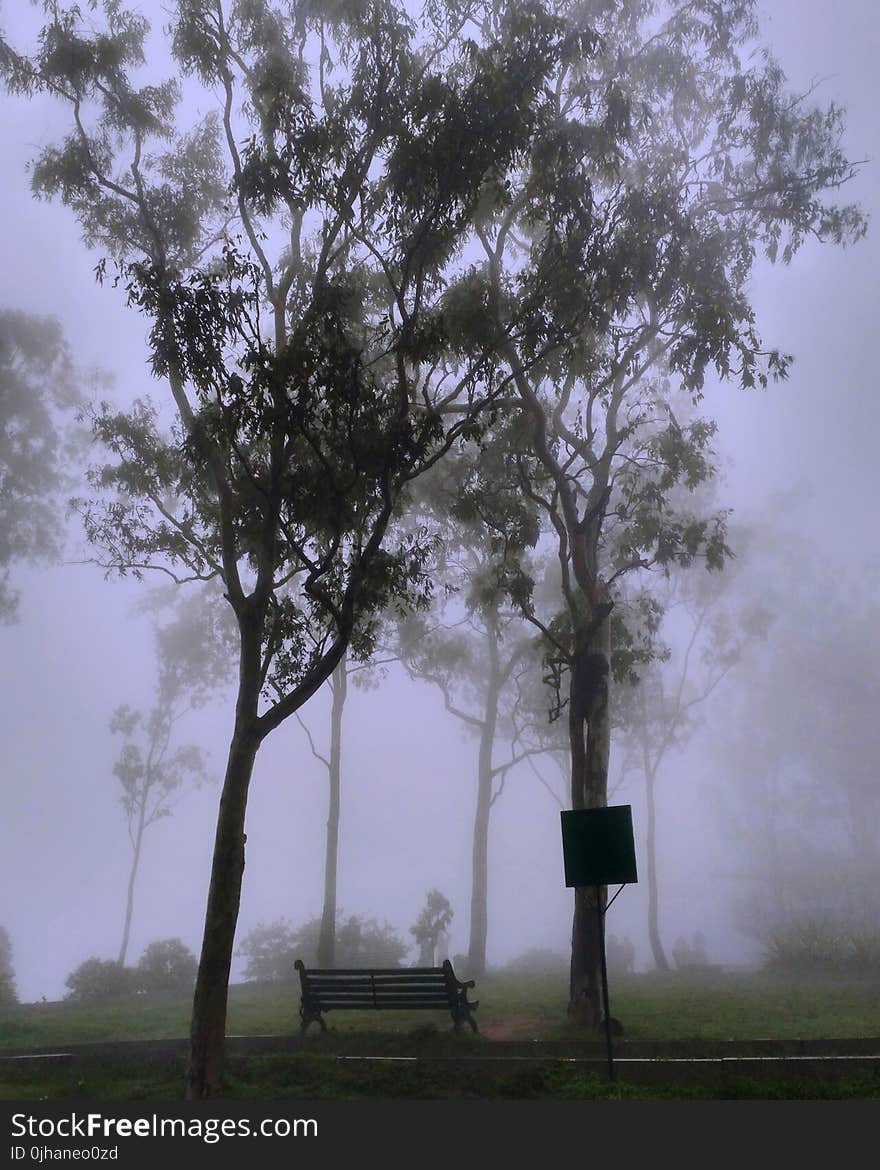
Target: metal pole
column 600, row 911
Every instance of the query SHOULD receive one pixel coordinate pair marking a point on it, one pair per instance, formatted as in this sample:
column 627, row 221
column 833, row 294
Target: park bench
column 383, row 988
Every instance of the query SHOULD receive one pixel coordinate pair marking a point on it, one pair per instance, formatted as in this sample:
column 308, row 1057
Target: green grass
column 516, row 1009
column 317, row 1076
column 723, row 1006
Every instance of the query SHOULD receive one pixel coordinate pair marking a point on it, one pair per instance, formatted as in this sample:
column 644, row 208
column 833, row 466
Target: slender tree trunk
column 660, row 960
column 327, row 937
column 480, row 856
column 132, row 878
column 590, row 739
column 208, row 1030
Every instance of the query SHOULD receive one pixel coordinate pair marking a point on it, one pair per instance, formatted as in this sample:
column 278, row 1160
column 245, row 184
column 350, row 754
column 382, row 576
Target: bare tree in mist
column 338, row 684
column 152, row 769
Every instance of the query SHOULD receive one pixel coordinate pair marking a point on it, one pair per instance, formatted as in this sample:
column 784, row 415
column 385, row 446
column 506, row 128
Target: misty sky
column 408, row 770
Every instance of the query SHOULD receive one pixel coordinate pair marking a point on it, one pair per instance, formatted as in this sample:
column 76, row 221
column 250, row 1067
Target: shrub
column 690, row 956
column 864, row 948
column 166, row 965
column 272, row 948
column 97, row 979
column 822, row 946
column 8, row 994
column 537, row 961
column 366, row 942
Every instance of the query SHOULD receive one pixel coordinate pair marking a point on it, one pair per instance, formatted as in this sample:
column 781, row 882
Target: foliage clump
column 271, row 949
column 96, row 980
column 822, row 946
column 166, row 965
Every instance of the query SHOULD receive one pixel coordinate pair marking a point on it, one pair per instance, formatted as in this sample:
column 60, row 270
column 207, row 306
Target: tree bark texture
column 590, row 739
column 327, row 937
column 208, row 1029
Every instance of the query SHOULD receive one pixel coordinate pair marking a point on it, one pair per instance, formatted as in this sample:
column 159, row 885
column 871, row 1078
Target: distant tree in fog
column 8, row 994
column 705, row 628
column 365, row 673
column 431, row 925
column 473, row 645
column 39, row 385
column 797, row 752
column 152, row 769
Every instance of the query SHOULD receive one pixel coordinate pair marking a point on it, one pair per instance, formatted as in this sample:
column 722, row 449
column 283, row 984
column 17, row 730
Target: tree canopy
column 386, row 231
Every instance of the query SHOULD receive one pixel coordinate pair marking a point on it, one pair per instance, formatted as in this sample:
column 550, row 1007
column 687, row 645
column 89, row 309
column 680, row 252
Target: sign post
column 598, row 850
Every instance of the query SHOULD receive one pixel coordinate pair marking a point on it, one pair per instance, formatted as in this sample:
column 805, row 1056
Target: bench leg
column 309, row 1019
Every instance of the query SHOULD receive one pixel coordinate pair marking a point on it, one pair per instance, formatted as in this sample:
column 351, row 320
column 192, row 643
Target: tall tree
column 671, row 155
column 298, row 254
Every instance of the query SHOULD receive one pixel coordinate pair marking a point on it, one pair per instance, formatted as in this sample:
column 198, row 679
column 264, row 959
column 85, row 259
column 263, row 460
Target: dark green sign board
column 598, row 846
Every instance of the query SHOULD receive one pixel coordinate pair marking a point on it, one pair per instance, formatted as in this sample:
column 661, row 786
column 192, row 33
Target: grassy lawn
column 722, row 1006
column 315, row 1076
column 519, row 1015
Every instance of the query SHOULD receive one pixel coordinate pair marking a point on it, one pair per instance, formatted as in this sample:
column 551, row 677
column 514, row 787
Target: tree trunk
column 208, row 1030
column 590, row 740
column 479, row 928
column 660, row 960
column 132, row 877
column 327, row 937
column 480, row 857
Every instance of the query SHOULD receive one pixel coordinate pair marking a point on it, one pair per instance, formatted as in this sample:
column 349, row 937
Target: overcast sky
column 408, row 785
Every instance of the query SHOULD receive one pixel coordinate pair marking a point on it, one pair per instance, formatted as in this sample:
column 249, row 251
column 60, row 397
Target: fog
column 79, row 647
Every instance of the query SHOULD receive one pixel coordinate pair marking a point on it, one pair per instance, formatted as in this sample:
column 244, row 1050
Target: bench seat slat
column 401, row 1005
column 377, row 981
column 398, row 971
